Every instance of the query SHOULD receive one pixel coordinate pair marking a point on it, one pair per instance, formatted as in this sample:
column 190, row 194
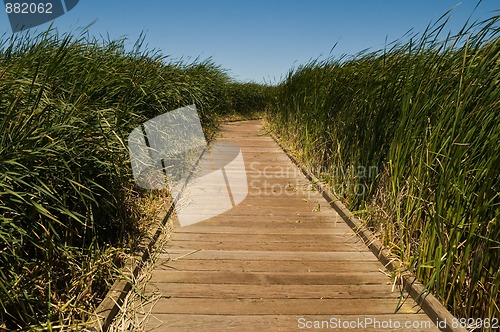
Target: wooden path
column 281, row 260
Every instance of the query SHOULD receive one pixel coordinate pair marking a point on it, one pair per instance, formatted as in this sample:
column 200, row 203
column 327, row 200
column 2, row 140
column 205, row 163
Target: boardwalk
column 281, row 260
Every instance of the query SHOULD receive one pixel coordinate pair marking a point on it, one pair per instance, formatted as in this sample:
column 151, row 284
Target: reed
column 408, row 137
column 250, row 99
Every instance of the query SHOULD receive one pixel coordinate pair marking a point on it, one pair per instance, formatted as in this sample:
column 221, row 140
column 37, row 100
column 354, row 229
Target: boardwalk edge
column 111, row 304
column 436, row 311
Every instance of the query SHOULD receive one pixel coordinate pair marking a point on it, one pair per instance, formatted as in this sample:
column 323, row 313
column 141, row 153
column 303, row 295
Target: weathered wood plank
column 371, row 323
column 267, row 238
column 287, row 229
column 349, row 246
column 270, row 278
column 200, row 306
column 267, row 265
column 175, row 253
column 274, row 223
column 237, row 291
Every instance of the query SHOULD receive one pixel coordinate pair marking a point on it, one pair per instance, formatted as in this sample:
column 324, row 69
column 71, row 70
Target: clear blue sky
column 261, row 40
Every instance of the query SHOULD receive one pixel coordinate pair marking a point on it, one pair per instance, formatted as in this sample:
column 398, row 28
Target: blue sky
column 261, row 40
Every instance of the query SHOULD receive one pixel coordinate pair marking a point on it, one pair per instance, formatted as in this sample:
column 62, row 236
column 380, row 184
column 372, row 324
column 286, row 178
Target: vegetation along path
column 283, row 259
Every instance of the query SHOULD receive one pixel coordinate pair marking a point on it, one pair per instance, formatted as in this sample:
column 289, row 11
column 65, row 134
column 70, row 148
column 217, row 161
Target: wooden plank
column 268, row 212
column 217, row 323
column 282, row 201
column 206, row 229
column 176, row 253
column 268, row 238
column 270, row 278
column 346, row 246
column 267, row 265
column 299, row 208
column 200, row 306
column 238, row 291
column 275, row 222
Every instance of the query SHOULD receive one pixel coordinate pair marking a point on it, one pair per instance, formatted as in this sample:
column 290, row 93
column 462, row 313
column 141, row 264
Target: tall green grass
column 250, row 99
column 409, row 136
column 67, row 208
